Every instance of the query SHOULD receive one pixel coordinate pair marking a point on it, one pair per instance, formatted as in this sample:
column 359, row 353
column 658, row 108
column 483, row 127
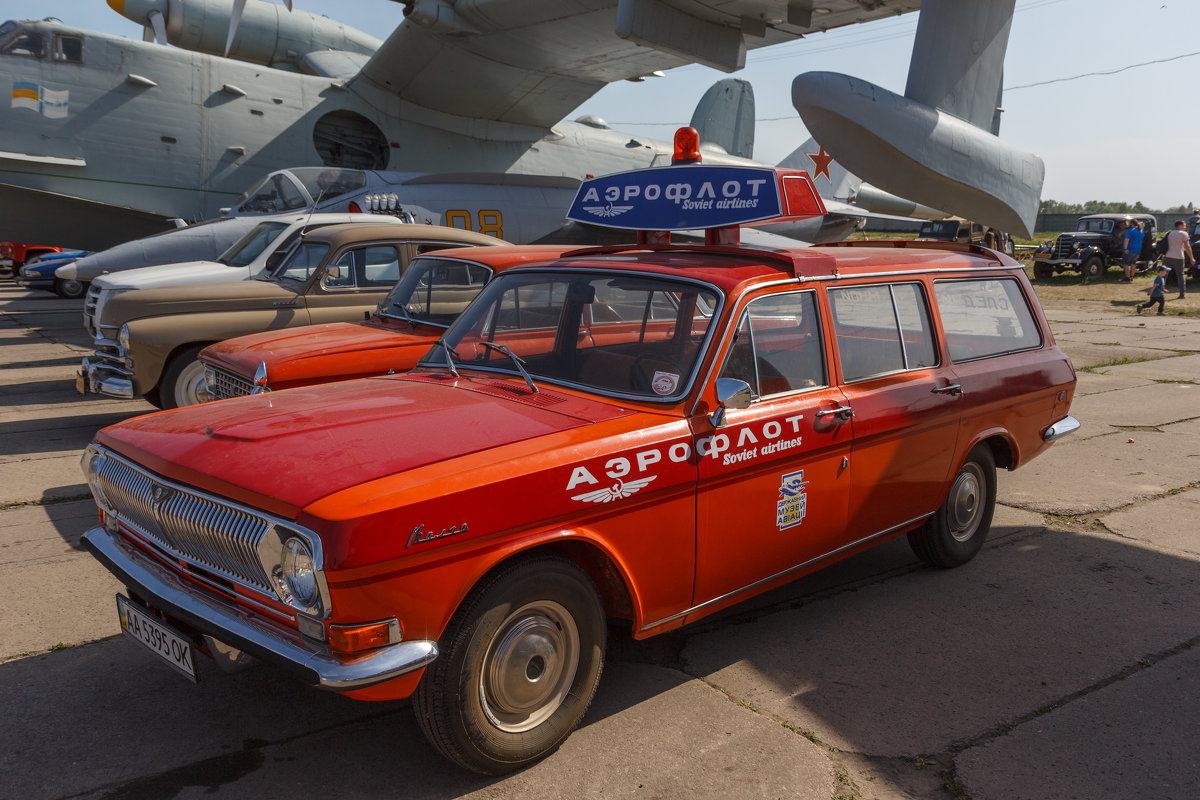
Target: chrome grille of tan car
column 202, row 529
column 227, row 385
column 89, row 308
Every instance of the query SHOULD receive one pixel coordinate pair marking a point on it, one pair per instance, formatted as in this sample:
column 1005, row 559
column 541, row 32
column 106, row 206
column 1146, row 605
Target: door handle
column 953, row 388
column 841, row 412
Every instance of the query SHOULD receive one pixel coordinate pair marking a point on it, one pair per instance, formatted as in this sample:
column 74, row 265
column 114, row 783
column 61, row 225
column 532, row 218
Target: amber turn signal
column 356, row 638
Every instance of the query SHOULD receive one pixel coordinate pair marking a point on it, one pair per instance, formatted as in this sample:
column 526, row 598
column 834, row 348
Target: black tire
column 1092, row 268
column 70, row 289
column 957, row 530
column 182, row 382
column 1042, row 270
column 537, row 622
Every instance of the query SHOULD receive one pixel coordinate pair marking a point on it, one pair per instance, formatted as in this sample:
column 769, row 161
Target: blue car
column 39, row 272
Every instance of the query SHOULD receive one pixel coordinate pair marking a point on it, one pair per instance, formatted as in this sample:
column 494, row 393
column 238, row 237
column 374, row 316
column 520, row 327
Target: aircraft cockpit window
column 277, row 193
column 25, row 44
column 327, row 182
column 68, row 48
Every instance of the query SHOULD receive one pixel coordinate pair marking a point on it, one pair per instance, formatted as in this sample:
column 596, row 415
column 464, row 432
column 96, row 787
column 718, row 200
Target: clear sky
column 1129, row 136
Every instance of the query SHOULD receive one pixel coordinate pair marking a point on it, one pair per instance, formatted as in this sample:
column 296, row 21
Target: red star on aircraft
column 821, row 161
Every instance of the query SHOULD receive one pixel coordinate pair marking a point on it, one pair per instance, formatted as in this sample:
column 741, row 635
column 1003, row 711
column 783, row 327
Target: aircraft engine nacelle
column 266, row 34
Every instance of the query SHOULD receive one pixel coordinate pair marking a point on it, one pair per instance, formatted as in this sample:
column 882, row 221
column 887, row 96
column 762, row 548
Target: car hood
column 237, row 296
column 188, row 272
column 284, row 450
column 243, row 354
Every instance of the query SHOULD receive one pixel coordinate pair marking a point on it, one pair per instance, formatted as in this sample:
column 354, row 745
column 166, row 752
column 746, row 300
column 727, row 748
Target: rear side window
column 882, row 328
column 778, row 346
column 985, row 318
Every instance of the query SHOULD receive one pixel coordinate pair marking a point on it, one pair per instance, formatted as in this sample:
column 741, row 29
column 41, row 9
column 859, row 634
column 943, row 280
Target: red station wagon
column 434, row 290
column 649, row 432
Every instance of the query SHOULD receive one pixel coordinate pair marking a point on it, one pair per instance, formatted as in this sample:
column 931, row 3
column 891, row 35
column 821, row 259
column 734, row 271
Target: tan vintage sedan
column 334, row 274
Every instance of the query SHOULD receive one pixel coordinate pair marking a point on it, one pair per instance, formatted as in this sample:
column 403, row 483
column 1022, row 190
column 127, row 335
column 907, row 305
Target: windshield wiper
column 400, row 312
column 450, row 356
column 516, row 359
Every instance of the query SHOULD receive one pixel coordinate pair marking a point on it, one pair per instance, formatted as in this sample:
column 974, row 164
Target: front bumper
column 1067, row 424
column 99, row 376
column 320, row 668
column 1048, row 259
column 35, row 283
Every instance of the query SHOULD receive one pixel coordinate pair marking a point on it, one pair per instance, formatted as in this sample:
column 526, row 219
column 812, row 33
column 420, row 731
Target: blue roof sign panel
column 681, row 197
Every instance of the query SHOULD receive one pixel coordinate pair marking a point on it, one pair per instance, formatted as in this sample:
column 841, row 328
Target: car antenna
column 312, row 211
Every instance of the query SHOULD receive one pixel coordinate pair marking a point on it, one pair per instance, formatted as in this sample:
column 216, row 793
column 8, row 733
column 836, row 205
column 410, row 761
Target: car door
column 773, row 490
column 354, row 281
column 905, row 403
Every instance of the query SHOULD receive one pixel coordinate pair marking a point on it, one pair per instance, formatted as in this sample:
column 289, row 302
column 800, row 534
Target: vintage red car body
column 339, row 351
column 650, row 433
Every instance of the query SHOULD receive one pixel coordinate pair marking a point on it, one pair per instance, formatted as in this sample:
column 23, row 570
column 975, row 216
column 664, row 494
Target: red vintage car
column 433, row 291
column 650, row 432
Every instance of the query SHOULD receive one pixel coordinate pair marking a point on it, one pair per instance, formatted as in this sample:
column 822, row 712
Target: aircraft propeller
column 238, row 7
column 156, row 31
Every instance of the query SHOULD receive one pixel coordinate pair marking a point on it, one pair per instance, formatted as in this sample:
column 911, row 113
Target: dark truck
column 1096, row 244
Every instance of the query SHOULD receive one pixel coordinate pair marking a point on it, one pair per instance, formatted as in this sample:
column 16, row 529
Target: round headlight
column 91, row 463
column 123, row 338
column 299, row 574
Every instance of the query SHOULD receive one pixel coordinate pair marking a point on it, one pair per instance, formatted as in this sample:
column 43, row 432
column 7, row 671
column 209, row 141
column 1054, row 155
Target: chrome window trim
column 1028, row 307
column 782, row 573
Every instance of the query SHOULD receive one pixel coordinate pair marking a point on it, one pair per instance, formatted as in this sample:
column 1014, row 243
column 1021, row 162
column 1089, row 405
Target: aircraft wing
column 531, row 62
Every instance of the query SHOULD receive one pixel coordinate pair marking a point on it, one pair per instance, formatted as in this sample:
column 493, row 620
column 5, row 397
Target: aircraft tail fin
column 833, row 181
column 725, row 117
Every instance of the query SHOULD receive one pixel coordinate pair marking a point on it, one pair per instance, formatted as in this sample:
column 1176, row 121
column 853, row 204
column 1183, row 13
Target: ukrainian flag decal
column 44, row 101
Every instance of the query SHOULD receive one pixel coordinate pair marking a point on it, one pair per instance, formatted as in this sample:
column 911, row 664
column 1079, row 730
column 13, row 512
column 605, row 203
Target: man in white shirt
column 1179, row 249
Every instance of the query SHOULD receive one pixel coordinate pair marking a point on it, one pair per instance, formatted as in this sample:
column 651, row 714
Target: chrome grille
column 227, row 384
column 89, row 308
column 1064, row 247
column 199, row 528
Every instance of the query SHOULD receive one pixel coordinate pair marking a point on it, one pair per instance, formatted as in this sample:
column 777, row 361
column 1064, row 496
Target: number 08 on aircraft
column 649, row 433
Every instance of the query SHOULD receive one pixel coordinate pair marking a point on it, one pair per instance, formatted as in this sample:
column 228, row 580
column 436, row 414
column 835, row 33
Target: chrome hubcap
column 530, row 666
column 192, row 388
column 966, row 502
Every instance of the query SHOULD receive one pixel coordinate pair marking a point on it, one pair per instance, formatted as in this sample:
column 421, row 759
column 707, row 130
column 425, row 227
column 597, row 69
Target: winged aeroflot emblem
column 608, row 210
column 617, row 491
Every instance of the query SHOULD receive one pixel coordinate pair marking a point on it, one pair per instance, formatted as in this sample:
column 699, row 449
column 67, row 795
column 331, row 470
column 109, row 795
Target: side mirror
column 731, row 393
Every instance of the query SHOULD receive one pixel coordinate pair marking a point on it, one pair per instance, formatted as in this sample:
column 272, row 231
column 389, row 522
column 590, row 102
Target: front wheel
column 1042, row 270
column 956, row 531
column 1092, row 268
column 518, row 667
column 183, row 381
column 69, row 288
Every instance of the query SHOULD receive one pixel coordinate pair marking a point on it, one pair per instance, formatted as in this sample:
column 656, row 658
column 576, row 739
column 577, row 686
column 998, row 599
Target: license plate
column 157, row 637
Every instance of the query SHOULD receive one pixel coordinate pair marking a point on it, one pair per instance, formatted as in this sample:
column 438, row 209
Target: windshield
column 635, row 336
column 434, row 290
column 16, row 42
column 1094, row 225
column 275, row 194
column 303, row 261
column 250, row 246
column 327, row 182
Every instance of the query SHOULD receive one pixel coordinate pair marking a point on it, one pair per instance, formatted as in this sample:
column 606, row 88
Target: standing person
column 1158, row 292
column 1179, row 249
column 1193, row 222
column 1132, row 249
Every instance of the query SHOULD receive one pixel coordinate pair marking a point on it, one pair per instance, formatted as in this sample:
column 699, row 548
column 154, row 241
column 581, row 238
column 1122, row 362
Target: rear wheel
column 517, row 669
column 1092, row 268
column 183, row 381
column 69, row 288
column 957, row 530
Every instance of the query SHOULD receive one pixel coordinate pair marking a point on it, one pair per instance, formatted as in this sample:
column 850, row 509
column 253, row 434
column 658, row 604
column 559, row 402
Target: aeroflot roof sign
column 678, row 198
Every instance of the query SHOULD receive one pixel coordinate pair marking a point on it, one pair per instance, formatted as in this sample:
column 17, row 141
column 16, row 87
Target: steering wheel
column 637, row 375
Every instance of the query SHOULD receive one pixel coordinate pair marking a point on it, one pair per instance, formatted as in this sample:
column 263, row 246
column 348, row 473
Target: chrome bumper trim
column 164, row 591
column 105, row 379
column 1067, row 424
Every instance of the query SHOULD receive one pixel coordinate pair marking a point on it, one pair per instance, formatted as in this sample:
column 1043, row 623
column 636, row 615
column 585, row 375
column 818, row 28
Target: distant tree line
column 1108, row 207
